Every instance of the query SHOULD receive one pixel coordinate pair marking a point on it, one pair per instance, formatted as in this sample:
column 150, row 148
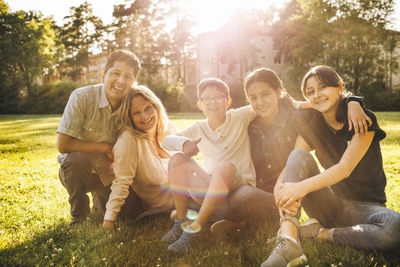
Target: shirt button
column 269, row 166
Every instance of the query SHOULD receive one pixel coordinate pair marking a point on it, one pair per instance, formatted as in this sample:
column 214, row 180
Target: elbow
column 62, row 144
column 61, row 147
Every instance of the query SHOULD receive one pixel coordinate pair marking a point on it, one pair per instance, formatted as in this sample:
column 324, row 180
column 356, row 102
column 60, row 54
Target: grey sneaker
column 174, row 233
column 222, row 228
column 285, row 253
column 310, row 229
column 187, row 240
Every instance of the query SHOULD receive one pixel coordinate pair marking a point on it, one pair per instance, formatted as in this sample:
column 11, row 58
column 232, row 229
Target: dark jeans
column 363, row 225
column 133, row 208
column 77, row 177
column 250, row 204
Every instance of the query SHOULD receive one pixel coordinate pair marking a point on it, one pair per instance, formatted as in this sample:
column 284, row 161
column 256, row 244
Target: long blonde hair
column 127, row 121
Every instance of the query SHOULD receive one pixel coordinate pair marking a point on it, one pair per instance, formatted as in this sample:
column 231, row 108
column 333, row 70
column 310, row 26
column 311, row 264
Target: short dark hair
column 126, row 56
column 218, row 83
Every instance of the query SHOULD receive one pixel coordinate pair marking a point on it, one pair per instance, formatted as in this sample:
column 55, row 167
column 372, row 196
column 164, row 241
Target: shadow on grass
column 130, row 244
column 137, row 244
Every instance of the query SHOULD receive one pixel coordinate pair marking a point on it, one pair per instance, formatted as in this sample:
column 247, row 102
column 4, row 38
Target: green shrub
column 378, row 98
column 49, row 98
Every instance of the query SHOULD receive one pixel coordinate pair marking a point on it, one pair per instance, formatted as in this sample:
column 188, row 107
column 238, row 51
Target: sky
column 206, row 11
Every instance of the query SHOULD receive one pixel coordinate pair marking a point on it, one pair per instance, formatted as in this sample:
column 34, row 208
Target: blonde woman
column 139, row 160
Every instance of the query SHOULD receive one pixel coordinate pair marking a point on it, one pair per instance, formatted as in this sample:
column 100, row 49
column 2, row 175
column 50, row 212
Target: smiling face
column 213, row 102
column 264, row 100
column 117, row 81
column 322, row 98
column 143, row 115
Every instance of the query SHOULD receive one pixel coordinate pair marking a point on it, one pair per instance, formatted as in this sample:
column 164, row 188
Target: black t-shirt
column 367, row 181
column 271, row 144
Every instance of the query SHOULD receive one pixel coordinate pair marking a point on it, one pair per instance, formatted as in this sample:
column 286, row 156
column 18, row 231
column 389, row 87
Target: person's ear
column 340, row 87
column 102, row 76
column 199, row 105
column 279, row 93
column 228, row 102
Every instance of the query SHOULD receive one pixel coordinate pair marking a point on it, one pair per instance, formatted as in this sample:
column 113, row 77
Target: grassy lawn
column 35, row 213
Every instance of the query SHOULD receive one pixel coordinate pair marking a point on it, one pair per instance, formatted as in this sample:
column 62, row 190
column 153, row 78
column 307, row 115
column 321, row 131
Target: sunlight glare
column 212, row 14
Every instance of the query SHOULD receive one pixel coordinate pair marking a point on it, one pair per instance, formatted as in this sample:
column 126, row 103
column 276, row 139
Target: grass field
column 35, row 213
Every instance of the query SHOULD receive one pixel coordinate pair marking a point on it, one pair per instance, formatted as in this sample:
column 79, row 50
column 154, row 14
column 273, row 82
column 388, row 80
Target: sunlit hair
column 126, row 56
column 214, row 82
column 148, row 95
column 269, row 77
column 329, row 78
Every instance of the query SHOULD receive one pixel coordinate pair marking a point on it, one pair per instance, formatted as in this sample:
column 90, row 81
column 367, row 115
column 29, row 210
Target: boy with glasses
column 224, row 142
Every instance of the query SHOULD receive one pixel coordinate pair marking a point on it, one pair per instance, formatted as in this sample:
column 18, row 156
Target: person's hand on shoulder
column 357, row 118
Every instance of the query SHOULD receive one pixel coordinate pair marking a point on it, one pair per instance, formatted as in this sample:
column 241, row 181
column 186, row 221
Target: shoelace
column 280, row 243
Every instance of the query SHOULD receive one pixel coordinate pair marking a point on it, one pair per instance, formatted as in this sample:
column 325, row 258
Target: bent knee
column 225, row 171
column 178, row 159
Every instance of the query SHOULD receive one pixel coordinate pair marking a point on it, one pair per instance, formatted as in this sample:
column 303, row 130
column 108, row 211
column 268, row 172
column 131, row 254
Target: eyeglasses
column 209, row 100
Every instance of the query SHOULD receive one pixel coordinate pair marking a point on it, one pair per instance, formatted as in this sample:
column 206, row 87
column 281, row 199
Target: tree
column 80, row 34
column 28, row 50
column 350, row 36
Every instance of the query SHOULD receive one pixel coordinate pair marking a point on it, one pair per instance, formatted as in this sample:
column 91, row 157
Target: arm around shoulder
column 67, row 144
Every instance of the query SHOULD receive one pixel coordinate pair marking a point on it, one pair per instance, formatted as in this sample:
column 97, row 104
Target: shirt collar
column 103, row 101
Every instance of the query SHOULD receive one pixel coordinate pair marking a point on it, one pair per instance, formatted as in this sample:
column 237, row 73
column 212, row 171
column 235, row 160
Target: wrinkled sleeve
column 244, row 114
column 125, row 166
column 73, row 116
column 174, row 142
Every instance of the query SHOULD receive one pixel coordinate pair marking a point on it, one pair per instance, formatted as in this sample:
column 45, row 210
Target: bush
column 49, row 98
column 378, row 98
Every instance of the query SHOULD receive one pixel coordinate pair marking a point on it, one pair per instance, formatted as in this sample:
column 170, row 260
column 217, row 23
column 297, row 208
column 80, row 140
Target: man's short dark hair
column 126, row 56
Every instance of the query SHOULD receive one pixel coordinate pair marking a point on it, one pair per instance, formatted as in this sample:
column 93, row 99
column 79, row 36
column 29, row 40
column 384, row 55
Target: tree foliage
column 350, row 36
column 28, row 51
column 81, row 32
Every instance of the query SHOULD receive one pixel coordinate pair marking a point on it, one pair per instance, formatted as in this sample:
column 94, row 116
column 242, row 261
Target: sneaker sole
column 297, row 261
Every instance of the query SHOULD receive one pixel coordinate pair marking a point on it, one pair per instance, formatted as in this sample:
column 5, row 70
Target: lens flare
column 192, row 214
column 188, row 228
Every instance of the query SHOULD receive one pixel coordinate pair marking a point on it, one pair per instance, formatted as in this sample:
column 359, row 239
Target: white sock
column 290, row 238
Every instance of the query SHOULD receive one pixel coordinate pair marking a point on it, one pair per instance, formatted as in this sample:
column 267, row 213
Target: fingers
column 350, row 122
column 197, row 140
column 281, row 214
column 369, row 121
column 361, row 127
column 356, row 128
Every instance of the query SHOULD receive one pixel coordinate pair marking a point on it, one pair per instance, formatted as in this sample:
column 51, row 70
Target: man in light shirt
column 88, row 131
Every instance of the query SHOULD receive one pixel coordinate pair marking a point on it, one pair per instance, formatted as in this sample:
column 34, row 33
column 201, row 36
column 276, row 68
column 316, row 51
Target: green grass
column 35, row 213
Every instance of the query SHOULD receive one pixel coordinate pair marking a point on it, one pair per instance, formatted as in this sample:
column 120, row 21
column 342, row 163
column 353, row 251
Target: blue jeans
column 363, row 225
